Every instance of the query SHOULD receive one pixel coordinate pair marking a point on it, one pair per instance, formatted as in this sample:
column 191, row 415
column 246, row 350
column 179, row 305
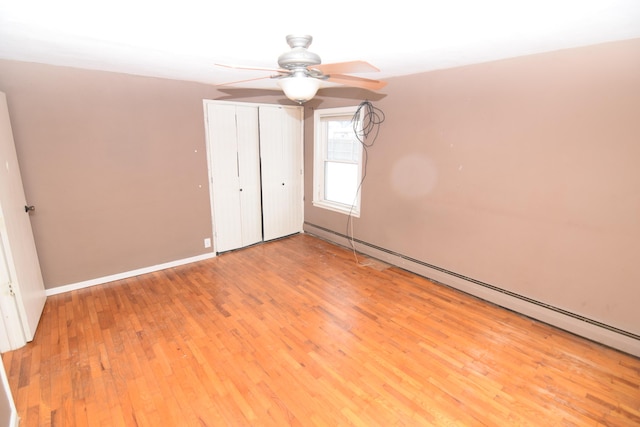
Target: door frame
column 6, row 393
column 11, row 330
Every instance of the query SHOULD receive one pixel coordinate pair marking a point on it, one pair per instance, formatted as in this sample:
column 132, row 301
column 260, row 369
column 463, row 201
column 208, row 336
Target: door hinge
column 11, row 290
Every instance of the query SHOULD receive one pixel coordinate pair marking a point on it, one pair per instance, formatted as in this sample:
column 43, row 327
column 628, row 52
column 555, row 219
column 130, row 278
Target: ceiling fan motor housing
column 298, row 56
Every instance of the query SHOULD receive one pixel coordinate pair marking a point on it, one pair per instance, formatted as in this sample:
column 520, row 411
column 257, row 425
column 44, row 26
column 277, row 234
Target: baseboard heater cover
column 588, row 328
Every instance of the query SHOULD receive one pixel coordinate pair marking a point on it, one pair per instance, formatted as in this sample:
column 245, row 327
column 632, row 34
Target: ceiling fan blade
column 242, row 81
column 357, row 81
column 345, row 67
column 241, row 67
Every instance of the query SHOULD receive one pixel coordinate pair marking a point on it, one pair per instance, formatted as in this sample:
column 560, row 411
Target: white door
column 249, row 174
column 17, row 237
column 282, row 178
column 232, row 133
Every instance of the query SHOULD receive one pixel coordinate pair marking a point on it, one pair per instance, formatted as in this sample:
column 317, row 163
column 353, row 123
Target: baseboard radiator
column 588, row 328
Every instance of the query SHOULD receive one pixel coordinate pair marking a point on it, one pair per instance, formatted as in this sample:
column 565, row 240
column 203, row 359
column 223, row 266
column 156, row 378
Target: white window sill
column 337, row 207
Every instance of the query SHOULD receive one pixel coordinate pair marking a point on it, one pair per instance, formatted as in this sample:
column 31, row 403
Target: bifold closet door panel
column 224, row 176
column 234, row 147
column 249, row 174
column 282, row 174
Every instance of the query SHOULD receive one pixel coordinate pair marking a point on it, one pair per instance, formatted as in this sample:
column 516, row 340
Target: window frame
column 320, row 143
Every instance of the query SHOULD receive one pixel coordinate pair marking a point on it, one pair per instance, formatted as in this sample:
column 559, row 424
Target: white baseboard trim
column 587, row 328
column 126, row 274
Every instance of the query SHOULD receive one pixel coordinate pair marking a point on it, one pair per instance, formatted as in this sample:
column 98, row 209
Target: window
column 337, row 161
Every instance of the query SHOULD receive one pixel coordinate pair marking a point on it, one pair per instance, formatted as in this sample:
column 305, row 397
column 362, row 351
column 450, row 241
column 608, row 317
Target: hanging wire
column 372, row 118
column 366, row 122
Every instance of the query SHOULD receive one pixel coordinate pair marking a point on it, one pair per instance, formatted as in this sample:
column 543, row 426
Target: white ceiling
column 185, row 39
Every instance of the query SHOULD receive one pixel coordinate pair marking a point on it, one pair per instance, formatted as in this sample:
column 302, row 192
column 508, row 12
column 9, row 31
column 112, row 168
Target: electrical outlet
column 207, row 242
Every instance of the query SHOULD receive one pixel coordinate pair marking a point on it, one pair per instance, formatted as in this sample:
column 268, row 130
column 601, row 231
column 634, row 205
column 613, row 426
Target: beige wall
column 115, row 165
column 522, row 174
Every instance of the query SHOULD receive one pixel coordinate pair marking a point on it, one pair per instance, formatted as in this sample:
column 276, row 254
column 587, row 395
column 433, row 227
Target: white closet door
column 233, row 142
column 249, row 174
column 281, row 161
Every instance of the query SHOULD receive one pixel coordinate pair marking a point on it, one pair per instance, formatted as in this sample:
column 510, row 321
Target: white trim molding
column 126, row 274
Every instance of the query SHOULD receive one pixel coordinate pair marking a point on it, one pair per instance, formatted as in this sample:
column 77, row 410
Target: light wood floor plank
column 294, row 332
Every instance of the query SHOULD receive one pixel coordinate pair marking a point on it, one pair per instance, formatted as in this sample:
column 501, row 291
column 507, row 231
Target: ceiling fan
column 302, row 71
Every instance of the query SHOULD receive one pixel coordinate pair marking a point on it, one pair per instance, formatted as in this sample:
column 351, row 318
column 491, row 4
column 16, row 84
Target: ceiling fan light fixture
column 299, row 88
column 300, row 72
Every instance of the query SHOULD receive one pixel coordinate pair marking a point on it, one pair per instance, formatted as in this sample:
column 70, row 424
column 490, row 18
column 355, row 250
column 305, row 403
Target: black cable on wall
column 371, row 118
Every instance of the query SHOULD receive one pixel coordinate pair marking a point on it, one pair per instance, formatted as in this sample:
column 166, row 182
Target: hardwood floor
column 294, row 332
